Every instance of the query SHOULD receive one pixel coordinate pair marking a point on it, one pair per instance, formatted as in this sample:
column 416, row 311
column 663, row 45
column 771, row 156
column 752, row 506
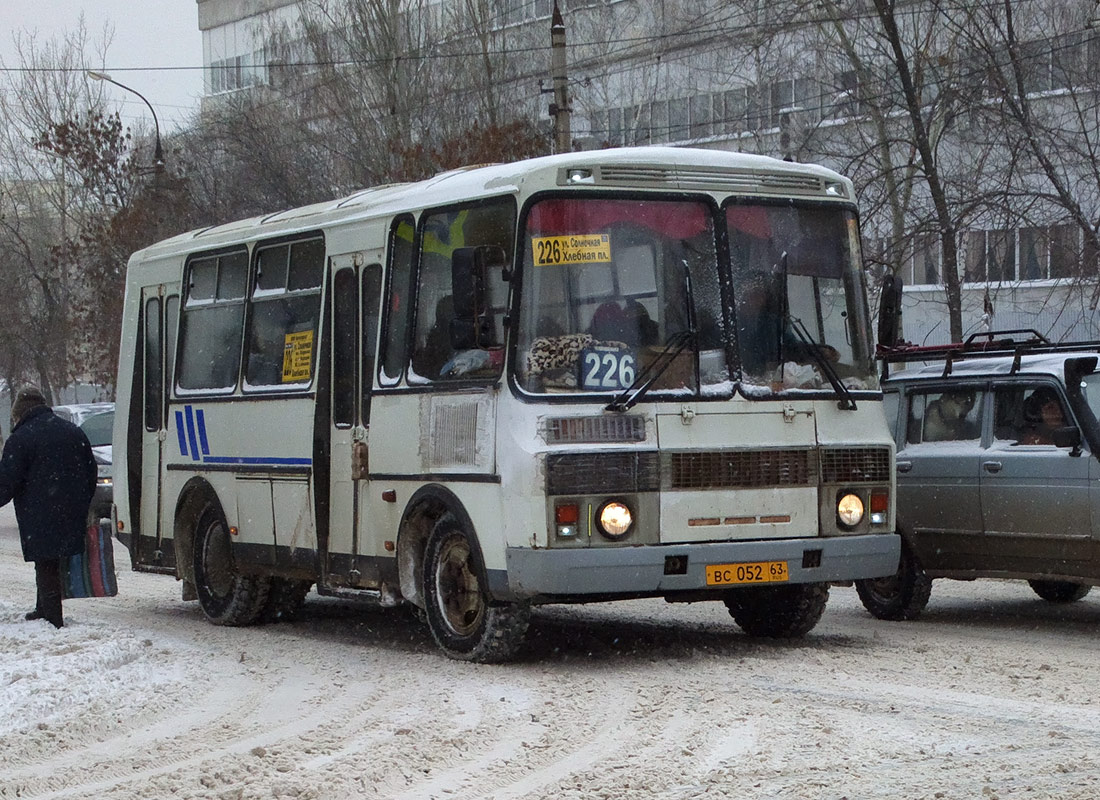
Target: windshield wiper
column 846, row 402
column 675, row 345
column 629, row 396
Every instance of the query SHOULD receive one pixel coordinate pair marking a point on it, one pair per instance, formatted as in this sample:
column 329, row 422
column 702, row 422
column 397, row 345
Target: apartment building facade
column 808, row 82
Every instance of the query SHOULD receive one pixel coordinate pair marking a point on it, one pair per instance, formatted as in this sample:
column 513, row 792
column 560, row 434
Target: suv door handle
column 992, row 466
column 904, row 466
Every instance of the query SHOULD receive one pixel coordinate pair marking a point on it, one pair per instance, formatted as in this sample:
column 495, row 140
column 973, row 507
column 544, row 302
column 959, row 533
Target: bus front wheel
column 226, row 596
column 464, row 622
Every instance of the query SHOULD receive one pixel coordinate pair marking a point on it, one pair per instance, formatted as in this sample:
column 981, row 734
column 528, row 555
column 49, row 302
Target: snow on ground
column 991, row 695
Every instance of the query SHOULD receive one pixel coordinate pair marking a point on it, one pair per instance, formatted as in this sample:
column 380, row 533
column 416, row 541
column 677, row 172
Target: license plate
column 751, row 572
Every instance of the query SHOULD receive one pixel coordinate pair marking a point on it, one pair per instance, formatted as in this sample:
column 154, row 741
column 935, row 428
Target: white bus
column 615, row 374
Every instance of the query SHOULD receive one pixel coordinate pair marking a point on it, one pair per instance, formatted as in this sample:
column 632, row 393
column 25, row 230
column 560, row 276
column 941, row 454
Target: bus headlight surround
column 849, row 510
column 614, row 519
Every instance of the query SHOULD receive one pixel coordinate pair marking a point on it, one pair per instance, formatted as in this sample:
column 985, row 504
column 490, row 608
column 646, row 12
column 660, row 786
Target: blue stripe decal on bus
column 180, row 434
column 194, row 442
column 201, row 418
column 191, row 432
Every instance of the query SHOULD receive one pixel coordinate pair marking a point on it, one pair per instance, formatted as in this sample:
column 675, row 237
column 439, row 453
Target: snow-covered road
column 992, row 694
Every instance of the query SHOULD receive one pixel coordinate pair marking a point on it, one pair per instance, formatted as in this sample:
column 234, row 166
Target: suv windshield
column 98, row 428
column 799, row 297
column 612, row 286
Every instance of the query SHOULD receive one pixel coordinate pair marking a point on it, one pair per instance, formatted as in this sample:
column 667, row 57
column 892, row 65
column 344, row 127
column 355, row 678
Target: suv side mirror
column 1069, row 436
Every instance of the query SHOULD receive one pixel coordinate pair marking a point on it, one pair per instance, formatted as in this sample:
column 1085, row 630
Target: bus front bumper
column 670, row 569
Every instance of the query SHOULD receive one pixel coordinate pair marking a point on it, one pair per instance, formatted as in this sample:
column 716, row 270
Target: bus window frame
column 251, row 300
column 179, row 335
column 385, row 380
column 427, row 384
column 721, row 253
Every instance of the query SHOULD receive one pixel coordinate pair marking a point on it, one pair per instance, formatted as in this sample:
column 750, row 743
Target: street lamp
column 158, row 153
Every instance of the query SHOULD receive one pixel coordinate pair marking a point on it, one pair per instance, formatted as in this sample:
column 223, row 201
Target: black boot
column 36, row 614
column 47, row 573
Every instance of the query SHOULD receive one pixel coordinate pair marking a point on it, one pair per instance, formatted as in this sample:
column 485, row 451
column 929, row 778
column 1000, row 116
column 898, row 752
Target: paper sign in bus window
column 297, row 356
column 592, row 248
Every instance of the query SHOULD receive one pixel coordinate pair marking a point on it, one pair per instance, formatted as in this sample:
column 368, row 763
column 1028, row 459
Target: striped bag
column 92, row 572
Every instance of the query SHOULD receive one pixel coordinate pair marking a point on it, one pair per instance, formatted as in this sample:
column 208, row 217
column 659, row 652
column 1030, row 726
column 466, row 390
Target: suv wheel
column 900, row 596
column 1059, row 591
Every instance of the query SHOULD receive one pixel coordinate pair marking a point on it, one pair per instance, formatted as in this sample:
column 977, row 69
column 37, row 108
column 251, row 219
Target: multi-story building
column 806, row 81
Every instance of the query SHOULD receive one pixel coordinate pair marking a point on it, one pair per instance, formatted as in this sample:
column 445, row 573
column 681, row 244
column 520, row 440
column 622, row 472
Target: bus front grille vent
column 595, row 430
column 855, row 464
column 740, row 469
column 602, row 473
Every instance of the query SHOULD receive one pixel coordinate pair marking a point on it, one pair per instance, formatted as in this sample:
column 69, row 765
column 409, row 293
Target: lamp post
column 158, row 153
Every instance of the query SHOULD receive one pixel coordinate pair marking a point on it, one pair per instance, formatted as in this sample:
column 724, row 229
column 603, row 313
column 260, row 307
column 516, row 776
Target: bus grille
column 740, row 469
column 855, row 464
column 583, row 430
column 601, row 473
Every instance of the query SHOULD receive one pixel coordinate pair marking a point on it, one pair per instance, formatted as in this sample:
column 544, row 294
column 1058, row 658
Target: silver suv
column 997, row 469
column 97, row 421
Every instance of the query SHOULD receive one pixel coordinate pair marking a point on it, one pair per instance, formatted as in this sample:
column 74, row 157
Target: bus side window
column 285, row 307
column 434, row 354
column 213, row 318
column 396, row 312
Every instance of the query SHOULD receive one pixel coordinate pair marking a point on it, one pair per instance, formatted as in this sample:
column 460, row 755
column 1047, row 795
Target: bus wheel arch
column 204, row 551
column 196, row 494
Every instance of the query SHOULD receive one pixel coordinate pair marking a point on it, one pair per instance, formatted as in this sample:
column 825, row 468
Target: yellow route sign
column 297, row 356
column 593, row 248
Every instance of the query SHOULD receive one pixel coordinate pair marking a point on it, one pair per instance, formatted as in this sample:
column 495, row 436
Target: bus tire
column 901, row 596
column 285, row 598
column 225, row 595
column 1059, row 591
column 778, row 612
column 462, row 619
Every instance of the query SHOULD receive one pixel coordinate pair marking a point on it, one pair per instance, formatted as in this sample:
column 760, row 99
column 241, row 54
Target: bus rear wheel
column 464, row 622
column 225, row 595
column 778, row 612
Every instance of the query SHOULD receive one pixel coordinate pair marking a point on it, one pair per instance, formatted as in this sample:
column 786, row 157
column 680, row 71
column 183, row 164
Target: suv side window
column 1028, row 414
column 944, row 416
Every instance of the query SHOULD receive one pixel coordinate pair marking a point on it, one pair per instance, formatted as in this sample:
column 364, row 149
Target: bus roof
column 666, row 168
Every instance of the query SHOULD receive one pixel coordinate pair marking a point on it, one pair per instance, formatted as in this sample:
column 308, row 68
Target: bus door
column 354, row 306
column 160, row 313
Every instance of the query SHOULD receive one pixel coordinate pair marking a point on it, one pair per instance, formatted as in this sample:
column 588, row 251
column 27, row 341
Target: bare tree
column 45, row 201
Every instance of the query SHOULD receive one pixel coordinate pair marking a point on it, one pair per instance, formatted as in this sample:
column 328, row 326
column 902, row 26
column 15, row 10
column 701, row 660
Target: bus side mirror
column 889, row 311
column 472, row 326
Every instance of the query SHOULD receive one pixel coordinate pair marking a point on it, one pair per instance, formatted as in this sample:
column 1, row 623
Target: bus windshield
column 613, row 289
column 612, row 286
column 799, row 298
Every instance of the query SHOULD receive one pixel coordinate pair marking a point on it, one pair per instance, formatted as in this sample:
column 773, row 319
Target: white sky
column 156, row 49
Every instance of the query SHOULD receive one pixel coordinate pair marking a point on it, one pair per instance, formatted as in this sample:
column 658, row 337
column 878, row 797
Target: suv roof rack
column 989, row 344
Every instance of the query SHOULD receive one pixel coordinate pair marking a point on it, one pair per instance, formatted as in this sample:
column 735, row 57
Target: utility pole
column 559, row 109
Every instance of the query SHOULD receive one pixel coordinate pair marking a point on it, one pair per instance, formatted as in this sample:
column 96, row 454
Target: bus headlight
column 849, row 510
column 614, row 519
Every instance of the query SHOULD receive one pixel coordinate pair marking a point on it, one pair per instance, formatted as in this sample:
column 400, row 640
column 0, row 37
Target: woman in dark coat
column 48, row 469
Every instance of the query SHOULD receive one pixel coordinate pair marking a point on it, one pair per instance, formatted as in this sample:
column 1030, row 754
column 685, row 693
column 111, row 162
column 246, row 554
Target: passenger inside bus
column 630, row 325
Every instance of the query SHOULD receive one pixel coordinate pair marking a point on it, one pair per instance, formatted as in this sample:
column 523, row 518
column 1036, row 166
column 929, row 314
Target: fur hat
column 28, row 398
